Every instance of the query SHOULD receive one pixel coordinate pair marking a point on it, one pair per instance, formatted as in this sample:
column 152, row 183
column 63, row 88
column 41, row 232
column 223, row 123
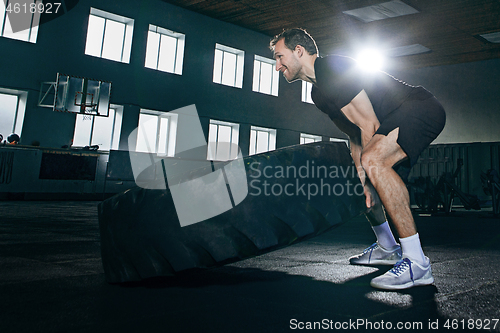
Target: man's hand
column 371, row 195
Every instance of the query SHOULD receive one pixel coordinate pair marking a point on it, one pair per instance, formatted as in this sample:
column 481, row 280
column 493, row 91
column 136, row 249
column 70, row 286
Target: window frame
column 127, row 34
column 22, row 98
column 306, row 92
column 257, row 76
column 170, row 135
column 271, row 140
column 179, row 49
column 238, row 70
column 346, row 141
column 115, row 128
column 305, row 136
column 235, row 132
column 34, row 23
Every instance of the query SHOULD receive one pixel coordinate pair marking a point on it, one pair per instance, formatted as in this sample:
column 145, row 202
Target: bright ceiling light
column 370, row 60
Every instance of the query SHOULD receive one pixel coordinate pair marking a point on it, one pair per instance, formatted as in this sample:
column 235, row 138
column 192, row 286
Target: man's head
column 292, row 49
column 294, row 37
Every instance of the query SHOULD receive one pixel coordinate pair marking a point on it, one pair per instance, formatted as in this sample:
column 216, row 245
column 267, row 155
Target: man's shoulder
column 331, row 68
column 336, row 62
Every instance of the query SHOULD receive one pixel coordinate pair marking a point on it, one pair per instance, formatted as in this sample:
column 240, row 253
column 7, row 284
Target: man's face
column 287, row 61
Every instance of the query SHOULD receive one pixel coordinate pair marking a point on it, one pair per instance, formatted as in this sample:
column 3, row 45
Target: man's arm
column 356, row 149
column 370, row 193
column 360, row 112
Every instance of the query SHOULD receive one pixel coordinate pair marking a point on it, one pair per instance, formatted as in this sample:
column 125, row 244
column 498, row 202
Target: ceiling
column 450, row 28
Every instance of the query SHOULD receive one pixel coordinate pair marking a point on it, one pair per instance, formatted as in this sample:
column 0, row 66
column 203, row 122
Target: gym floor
column 51, row 280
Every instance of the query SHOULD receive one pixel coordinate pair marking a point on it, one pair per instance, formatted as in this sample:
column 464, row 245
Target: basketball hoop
column 83, row 101
column 87, row 109
column 84, row 96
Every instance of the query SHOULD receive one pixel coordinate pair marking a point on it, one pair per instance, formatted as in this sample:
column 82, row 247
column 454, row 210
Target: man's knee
column 372, row 163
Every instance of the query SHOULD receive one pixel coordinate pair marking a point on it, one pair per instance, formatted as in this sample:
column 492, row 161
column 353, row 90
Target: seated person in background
column 13, row 139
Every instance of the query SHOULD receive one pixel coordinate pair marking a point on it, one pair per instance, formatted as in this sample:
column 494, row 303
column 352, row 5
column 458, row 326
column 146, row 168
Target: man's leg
column 377, row 159
column 380, row 226
column 385, row 251
column 376, row 215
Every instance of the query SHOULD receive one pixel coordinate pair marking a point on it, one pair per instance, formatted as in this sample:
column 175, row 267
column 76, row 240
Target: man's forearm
column 356, row 149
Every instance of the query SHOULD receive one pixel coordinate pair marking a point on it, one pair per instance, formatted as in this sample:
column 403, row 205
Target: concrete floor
column 51, row 280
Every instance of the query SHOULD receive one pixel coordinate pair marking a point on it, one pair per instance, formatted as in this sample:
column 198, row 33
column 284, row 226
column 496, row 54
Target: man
column 389, row 123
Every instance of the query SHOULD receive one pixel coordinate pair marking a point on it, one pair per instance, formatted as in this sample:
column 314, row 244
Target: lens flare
column 370, row 60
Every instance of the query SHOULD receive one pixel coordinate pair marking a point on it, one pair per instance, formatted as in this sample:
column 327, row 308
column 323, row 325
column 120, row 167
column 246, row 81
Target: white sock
column 412, row 248
column 385, row 238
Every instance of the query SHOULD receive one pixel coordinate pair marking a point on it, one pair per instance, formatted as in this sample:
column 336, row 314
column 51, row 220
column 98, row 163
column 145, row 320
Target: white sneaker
column 377, row 255
column 405, row 274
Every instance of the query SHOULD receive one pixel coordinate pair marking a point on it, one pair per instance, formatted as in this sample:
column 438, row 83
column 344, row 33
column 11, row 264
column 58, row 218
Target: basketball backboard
column 82, row 95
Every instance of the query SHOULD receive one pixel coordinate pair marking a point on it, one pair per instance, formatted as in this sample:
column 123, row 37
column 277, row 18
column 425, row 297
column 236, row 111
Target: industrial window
column 101, row 131
column 109, row 36
column 157, row 132
column 12, row 107
column 340, row 140
column 308, row 138
column 306, row 92
column 20, row 21
column 165, row 50
column 265, row 79
column 262, row 140
column 228, row 66
column 222, row 141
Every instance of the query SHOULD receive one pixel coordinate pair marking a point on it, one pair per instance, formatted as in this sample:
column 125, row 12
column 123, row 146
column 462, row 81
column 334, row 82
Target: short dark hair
column 294, row 37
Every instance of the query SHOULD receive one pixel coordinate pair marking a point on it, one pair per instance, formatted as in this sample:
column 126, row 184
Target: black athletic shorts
column 420, row 120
